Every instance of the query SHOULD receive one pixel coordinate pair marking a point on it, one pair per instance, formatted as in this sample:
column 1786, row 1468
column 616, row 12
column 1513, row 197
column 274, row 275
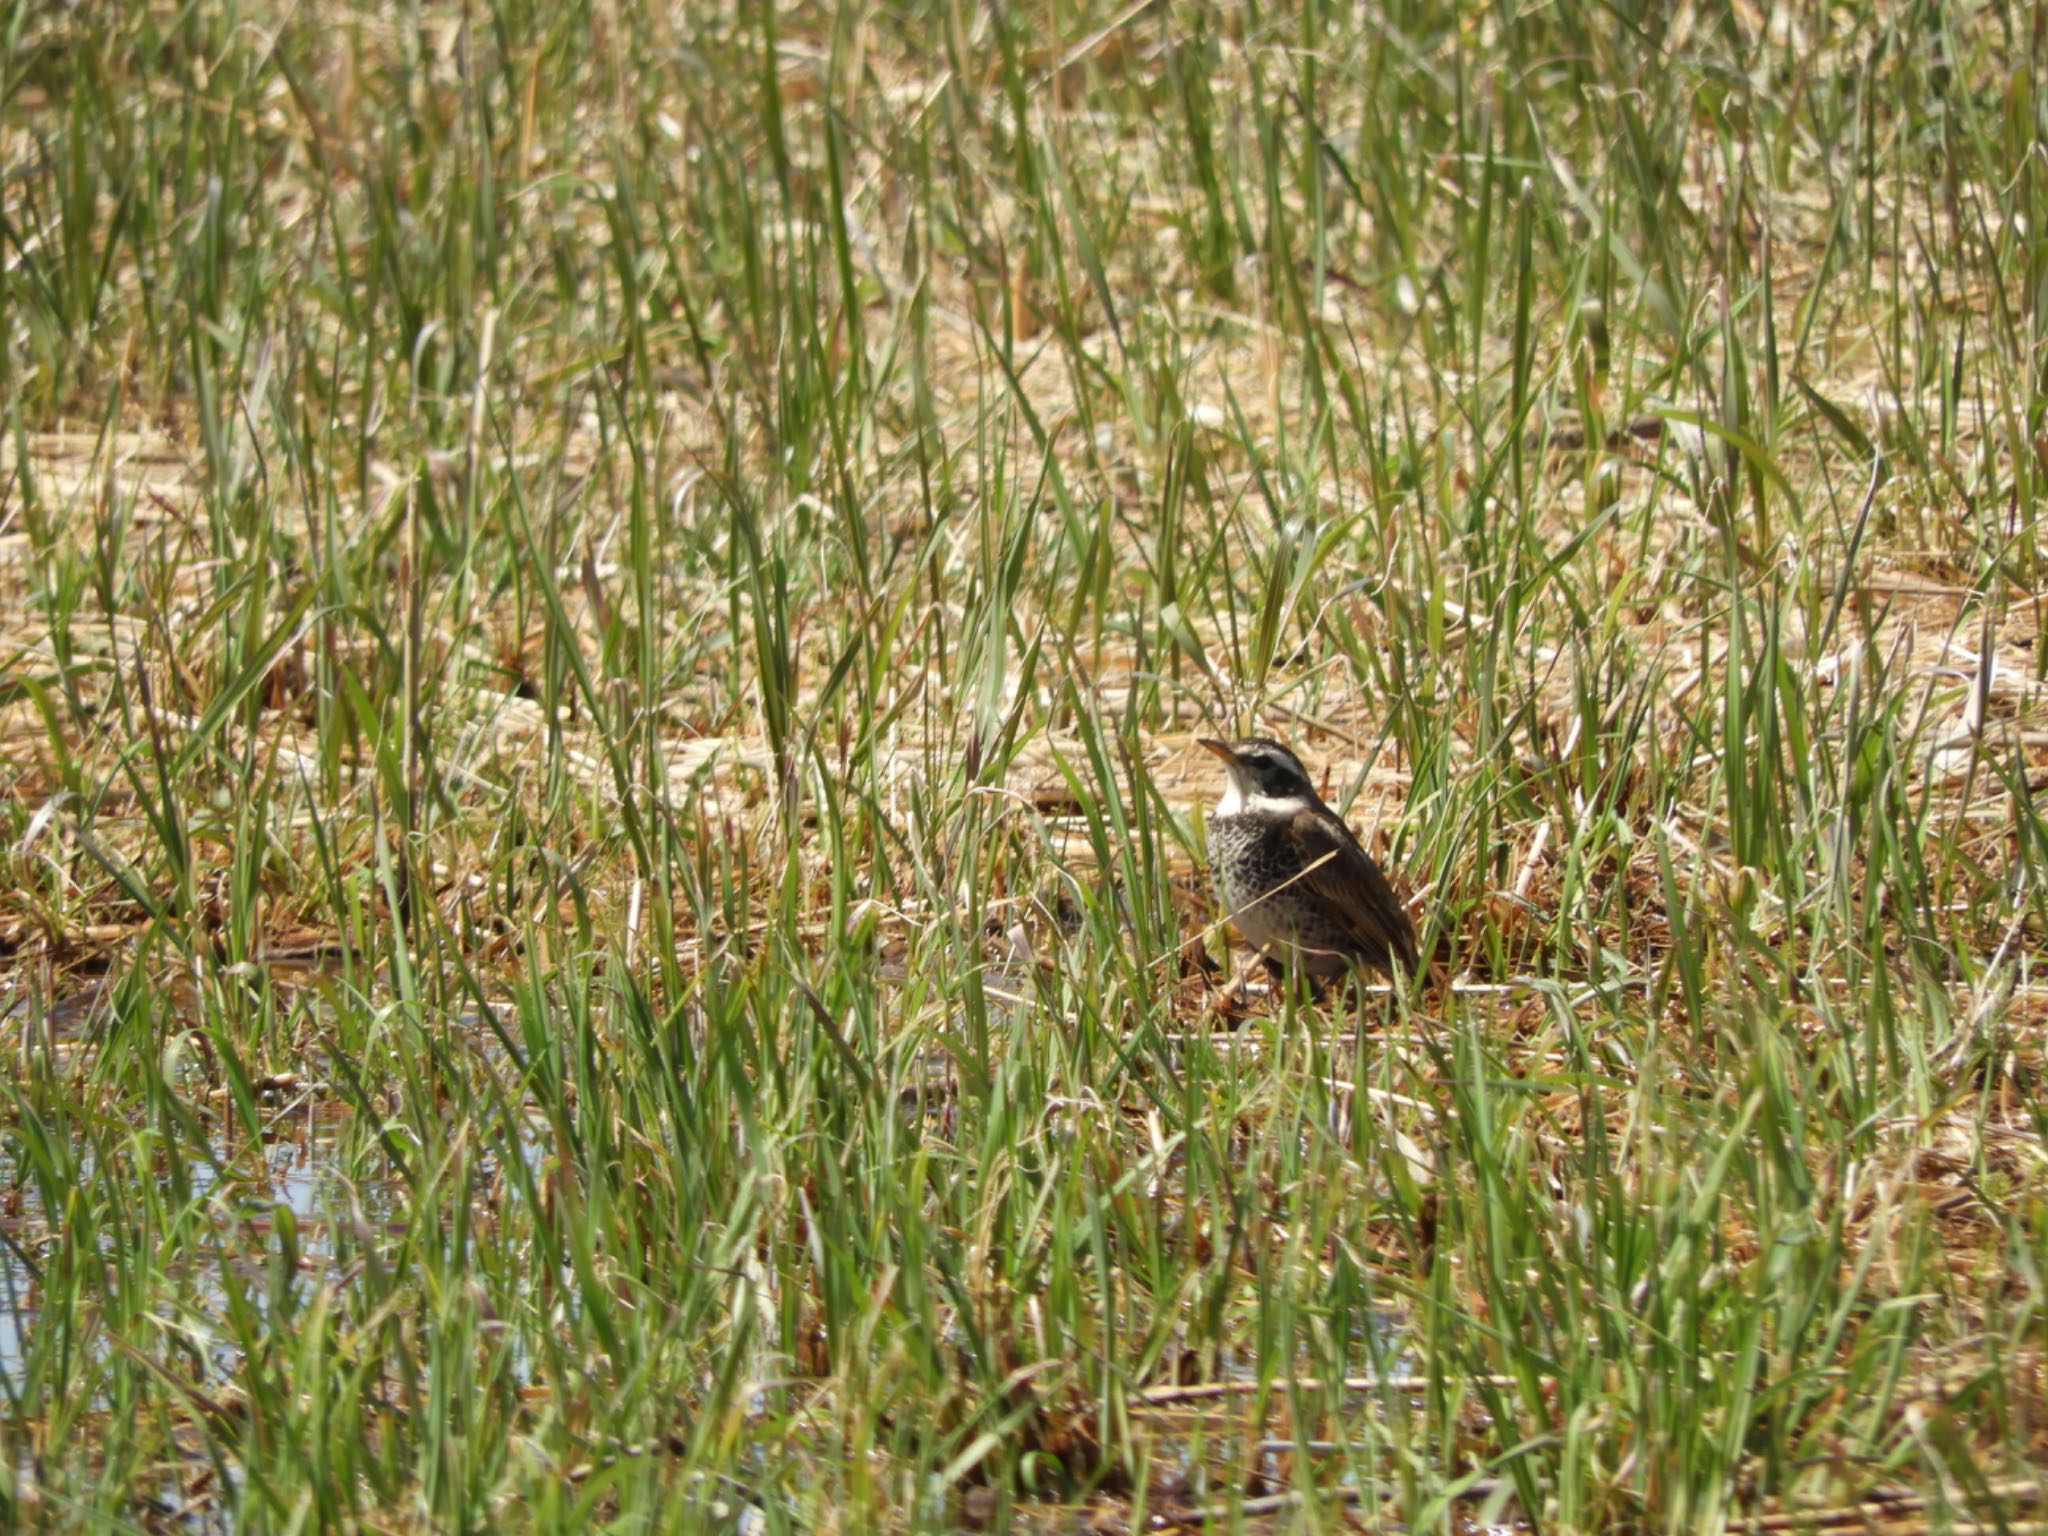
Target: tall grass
column 602, row 611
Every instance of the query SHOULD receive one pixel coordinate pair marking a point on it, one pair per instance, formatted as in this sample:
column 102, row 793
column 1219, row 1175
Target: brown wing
column 1345, row 876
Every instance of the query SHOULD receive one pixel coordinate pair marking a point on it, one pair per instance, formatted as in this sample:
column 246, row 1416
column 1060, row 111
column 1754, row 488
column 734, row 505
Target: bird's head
column 1261, row 771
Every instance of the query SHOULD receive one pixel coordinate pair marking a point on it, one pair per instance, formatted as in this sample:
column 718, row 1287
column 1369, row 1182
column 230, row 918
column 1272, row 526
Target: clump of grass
column 601, row 619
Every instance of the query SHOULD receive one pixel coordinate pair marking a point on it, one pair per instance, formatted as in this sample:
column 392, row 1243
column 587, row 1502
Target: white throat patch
column 1236, row 803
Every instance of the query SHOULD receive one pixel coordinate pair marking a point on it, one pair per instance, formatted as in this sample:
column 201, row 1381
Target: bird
column 1292, row 876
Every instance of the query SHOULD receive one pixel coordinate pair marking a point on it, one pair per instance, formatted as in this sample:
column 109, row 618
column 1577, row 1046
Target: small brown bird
column 1291, row 875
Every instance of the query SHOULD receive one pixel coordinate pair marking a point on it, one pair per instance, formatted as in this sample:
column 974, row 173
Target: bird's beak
column 1220, row 748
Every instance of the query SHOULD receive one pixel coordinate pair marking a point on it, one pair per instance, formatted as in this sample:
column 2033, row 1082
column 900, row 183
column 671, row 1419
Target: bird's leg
column 1283, row 979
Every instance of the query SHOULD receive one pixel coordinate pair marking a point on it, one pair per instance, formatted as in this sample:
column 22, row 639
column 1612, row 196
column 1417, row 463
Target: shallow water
column 318, row 1168
column 305, row 1167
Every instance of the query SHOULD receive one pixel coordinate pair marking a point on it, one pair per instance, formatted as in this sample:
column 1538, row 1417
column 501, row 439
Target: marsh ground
column 603, row 608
